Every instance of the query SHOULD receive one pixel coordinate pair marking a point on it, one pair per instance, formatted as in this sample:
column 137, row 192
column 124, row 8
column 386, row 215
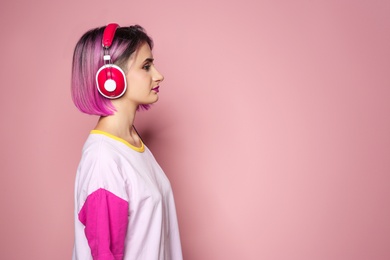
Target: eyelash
column 146, row 67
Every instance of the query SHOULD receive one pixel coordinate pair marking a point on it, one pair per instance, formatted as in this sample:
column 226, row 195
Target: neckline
column 135, row 148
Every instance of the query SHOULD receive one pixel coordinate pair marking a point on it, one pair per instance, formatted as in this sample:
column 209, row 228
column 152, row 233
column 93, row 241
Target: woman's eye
column 146, row 67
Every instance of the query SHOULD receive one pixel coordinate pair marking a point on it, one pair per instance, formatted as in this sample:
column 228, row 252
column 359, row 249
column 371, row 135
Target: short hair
column 88, row 58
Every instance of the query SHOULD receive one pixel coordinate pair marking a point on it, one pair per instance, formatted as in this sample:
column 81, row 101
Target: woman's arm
column 105, row 217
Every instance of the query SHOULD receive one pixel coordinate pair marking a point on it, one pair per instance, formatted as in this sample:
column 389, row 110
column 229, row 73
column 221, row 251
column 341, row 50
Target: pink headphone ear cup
column 111, row 81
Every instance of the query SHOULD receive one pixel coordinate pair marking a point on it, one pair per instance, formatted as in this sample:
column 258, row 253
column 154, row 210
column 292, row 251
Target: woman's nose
column 158, row 76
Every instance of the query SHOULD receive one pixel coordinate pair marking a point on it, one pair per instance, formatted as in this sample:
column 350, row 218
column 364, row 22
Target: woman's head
column 88, row 58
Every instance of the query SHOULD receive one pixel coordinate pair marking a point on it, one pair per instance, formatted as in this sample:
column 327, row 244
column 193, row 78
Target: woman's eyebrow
column 149, row 60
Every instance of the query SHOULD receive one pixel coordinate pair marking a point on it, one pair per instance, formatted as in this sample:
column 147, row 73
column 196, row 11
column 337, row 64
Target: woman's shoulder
column 100, row 158
column 100, row 168
column 99, row 147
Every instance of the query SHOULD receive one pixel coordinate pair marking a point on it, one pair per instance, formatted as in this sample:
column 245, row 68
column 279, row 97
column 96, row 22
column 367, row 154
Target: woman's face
column 142, row 77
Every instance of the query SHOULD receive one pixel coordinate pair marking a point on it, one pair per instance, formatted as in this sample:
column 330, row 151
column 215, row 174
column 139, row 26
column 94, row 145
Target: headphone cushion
column 111, row 81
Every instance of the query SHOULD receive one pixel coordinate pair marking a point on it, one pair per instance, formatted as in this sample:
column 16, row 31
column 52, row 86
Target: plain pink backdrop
column 273, row 124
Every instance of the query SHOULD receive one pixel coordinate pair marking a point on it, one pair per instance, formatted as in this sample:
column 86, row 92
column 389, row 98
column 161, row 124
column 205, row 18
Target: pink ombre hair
column 88, row 58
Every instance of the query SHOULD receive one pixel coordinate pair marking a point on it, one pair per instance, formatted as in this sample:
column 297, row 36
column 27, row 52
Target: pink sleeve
column 105, row 217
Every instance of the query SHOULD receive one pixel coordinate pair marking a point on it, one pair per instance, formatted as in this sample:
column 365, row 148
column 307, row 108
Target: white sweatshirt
column 124, row 206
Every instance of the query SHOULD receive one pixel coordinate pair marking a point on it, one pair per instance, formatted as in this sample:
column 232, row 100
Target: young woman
column 124, row 206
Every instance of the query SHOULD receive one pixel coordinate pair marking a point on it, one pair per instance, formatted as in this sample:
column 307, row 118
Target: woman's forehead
column 142, row 54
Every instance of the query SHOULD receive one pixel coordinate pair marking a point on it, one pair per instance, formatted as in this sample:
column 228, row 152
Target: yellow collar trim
column 135, row 148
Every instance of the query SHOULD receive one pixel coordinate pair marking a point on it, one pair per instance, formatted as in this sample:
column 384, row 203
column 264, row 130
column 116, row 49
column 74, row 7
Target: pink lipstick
column 156, row 89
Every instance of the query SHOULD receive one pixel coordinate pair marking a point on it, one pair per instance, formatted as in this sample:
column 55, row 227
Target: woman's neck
column 120, row 124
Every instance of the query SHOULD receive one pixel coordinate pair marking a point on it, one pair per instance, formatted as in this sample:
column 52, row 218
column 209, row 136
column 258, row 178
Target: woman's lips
column 156, row 89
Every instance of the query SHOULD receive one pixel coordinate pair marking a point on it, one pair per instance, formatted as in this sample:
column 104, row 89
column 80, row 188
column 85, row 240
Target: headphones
column 110, row 79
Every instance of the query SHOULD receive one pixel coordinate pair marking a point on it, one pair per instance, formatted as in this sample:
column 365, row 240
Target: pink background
column 273, row 124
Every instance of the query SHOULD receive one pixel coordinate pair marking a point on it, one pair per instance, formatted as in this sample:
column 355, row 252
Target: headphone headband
column 110, row 79
column 108, row 35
